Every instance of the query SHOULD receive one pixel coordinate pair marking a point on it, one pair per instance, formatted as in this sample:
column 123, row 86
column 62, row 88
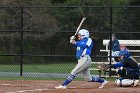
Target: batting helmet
column 124, row 53
column 84, row 33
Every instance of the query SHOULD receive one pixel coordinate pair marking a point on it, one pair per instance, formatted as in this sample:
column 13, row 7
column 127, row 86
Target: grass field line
column 5, row 84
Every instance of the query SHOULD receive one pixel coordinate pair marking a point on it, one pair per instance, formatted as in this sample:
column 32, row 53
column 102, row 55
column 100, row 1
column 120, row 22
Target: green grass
column 50, row 68
column 41, row 68
column 23, row 78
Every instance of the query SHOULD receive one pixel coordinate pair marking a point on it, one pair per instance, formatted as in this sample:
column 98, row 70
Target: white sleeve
column 89, row 42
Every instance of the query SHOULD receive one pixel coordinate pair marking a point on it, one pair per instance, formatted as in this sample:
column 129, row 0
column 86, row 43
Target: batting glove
column 72, row 37
column 72, row 41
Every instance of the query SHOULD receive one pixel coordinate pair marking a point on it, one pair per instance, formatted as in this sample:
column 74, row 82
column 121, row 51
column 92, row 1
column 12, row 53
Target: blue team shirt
column 115, row 45
column 84, row 47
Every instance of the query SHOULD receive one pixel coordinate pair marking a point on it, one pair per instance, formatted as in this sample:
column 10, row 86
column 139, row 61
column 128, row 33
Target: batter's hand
column 72, row 37
column 72, row 41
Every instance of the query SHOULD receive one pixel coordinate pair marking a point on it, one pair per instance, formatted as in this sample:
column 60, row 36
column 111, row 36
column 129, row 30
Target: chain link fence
column 34, row 40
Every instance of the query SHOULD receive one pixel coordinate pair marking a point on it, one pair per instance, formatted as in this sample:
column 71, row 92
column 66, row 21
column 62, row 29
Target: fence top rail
column 73, row 6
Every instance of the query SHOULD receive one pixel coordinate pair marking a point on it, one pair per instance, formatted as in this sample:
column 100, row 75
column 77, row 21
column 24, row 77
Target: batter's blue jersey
column 84, row 47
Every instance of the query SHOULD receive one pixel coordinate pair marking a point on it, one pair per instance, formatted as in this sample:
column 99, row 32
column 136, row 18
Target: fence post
column 110, row 37
column 21, row 39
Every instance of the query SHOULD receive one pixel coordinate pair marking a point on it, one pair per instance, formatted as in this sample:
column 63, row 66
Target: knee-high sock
column 68, row 80
column 97, row 79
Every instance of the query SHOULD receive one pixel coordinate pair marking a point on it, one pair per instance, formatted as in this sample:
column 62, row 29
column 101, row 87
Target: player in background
column 123, row 47
column 121, row 71
column 131, row 77
column 83, row 52
column 115, row 48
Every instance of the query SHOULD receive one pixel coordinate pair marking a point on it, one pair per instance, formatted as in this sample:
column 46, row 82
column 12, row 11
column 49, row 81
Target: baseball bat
column 83, row 19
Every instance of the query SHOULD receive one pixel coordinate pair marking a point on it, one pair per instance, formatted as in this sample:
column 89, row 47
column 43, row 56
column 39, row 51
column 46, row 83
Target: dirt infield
column 44, row 86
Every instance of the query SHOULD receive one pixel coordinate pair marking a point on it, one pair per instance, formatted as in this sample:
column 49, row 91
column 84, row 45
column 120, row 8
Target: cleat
column 135, row 83
column 61, row 87
column 103, row 84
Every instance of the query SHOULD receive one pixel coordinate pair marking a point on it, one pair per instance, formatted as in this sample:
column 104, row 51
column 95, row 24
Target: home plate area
column 47, row 86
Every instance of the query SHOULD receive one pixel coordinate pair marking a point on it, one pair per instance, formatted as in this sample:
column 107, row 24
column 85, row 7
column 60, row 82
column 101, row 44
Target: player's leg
column 133, row 76
column 121, row 72
column 136, row 81
column 124, row 82
column 115, row 54
column 82, row 65
column 89, row 78
column 99, row 80
column 112, row 59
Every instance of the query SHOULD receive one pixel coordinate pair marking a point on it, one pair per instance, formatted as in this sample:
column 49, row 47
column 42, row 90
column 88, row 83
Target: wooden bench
column 128, row 43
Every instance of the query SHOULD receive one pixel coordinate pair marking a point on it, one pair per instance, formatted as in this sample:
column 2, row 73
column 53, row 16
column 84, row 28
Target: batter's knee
column 73, row 72
column 87, row 78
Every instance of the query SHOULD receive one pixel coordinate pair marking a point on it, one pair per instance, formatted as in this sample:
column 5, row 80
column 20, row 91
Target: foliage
column 44, row 23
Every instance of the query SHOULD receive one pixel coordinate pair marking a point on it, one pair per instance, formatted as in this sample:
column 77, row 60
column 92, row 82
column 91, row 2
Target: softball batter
column 84, row 47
